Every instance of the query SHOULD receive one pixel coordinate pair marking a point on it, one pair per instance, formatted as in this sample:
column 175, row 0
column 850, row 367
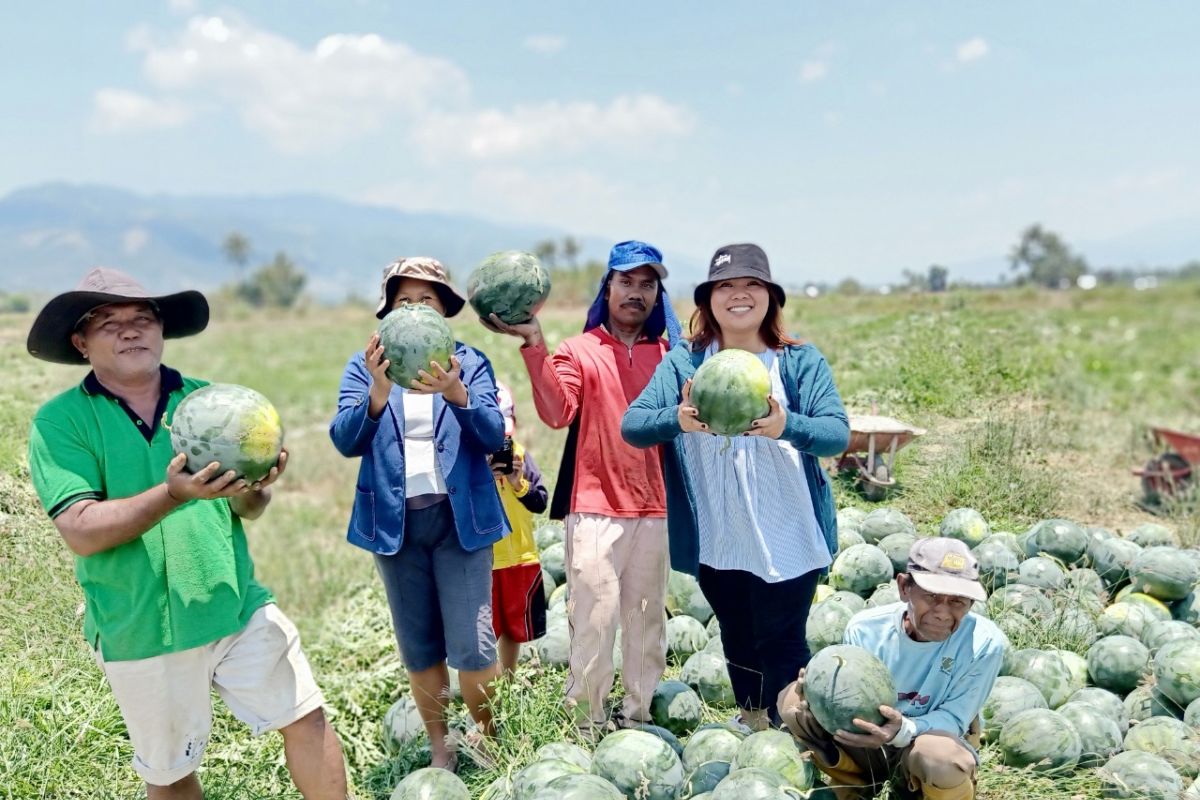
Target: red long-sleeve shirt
column 596, row 376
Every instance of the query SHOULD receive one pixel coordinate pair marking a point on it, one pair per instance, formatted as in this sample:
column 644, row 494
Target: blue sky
column 847, row 139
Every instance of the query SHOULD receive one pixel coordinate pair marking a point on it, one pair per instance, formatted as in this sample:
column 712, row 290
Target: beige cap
column 945, row 566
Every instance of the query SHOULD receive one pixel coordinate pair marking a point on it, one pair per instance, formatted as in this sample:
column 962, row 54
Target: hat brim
column 657, row 267
column 182, row 313
column 452, row 299
column 703, row 291
column 948, row 584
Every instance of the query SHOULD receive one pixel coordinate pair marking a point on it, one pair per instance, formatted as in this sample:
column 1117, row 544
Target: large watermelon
column 684, row 596
column 897, row 547
column 536, row 775
column 1042, row 572
column 1162, row 573
column 1159, row 632
column 413, row 336
column 883, row 522
column 1177, row 670
column 730, row 391
column 230, row 424
column 676, row 707
column 844, row 682
column 1140, row 775
column 685, row 636
column 578, row 787
column 1170, row 738
column 827, row 623
column 1060, row 538
column 511, row 284
column 775, row 750
column 1009, row 696
column 707, row 674
column 1152, row 534
column 402, row 723
column 1042, row 739
column 639, row 764
column 965, row 524
column 1099, row 735
column 1111, row 558
column 753, row 783
column 431, row 783
column 566, row 751
column 1118, row 663
column 710, row 744
column 703, row 778
column 996, row 561
column 1109, row 704
column 1047, row 671
column 860, row 569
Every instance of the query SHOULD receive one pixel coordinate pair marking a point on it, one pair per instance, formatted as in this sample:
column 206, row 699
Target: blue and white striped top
column 753, row 505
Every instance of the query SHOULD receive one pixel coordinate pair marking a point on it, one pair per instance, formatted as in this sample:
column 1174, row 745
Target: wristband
column 522, row 488
column 904, row 736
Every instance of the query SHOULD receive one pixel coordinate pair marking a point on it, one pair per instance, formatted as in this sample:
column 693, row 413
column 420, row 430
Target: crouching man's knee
column 940, row 761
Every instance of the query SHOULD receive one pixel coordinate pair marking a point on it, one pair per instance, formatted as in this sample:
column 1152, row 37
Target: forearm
column 820, row 436
column 645, row 427
column 93, row 526
column 555, row 398
column 251, row 504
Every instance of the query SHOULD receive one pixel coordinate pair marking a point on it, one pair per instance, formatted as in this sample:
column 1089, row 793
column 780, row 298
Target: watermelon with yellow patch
column 230, row 424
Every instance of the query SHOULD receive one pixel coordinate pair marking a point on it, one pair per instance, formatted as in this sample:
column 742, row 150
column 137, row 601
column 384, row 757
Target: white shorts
column 166, row 701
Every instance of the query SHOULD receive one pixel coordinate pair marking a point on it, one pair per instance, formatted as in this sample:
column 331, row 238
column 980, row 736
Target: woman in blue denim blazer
column 425, row 502
column 751, row 516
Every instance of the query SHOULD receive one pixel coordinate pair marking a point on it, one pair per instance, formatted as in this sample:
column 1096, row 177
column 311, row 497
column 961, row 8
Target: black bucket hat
column 738, row 261
column 182, row 313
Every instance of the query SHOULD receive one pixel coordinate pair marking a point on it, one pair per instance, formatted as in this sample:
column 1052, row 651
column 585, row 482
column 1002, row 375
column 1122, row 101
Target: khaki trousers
column 617, row 573
column 937, row 765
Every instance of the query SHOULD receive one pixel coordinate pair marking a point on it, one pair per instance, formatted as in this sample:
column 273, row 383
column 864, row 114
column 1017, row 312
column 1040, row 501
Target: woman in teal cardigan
column 752, row 516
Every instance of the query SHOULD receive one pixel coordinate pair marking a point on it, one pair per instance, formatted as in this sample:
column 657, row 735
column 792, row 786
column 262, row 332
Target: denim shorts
column 440, row 595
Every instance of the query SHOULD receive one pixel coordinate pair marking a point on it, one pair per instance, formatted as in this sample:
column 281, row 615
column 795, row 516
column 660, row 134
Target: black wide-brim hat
column 182, row 313
column 738, row 261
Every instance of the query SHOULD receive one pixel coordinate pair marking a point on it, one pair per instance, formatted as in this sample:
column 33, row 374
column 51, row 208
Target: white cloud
column 971, row 50
column 120, row 110
column 813, row 71
column 627, row 121
column 545, row 44
column 300, row 99
column 134, row 239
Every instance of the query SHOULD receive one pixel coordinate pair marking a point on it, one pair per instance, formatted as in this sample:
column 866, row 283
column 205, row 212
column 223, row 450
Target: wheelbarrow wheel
column 874, row 491
column 1166, row 475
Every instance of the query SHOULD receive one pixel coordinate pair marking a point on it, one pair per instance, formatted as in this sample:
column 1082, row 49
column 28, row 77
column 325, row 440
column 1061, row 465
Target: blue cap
column 625, row 256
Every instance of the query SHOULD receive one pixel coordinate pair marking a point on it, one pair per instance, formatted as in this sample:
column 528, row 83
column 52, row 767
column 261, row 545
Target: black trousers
column 762, row 631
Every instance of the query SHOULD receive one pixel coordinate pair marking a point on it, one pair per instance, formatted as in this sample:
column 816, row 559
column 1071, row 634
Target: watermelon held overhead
column 413, row 336
column 230, row 424
column 511, row 284
column 730, row 391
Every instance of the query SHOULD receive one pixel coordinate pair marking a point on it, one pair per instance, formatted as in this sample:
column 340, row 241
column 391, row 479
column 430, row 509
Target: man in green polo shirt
column 172, row 606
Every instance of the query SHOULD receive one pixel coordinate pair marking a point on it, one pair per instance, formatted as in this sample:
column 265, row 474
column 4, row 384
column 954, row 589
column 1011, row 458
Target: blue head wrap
column 631, row 255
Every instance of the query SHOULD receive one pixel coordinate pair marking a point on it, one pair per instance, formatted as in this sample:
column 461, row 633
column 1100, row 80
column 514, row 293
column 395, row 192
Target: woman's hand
column 689, row 415
column 772, row 424
column 381, row 384
column 437, row 379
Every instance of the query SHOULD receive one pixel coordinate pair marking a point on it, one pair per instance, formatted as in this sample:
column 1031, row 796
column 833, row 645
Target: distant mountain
column 50, row 234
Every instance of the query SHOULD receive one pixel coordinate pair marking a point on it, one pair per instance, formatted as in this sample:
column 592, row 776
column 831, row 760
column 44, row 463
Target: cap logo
column 953, row 561
column 723, row 258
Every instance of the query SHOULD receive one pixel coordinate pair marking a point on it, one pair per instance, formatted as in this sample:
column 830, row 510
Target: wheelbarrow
column 1173, row 471
column 871, row 453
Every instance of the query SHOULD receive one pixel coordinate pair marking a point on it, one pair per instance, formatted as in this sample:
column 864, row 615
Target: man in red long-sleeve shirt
column 617, row 558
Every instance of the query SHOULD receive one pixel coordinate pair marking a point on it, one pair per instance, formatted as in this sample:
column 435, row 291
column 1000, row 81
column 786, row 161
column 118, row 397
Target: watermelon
column 1099, row 736
column 1007, row 539
column 1125, row 618
column 1159, row 632
column 685, row 597
column 1009, row 696
column 554, row 648
column 775, row 750
column 1074, row 626
column 511, row 284
column 1170, row 738
column 685, row 636
column 402, row 723
column 676, row 707
column 566, row 751
column 850, row 517
column 707, row 674
column 1161, row 573
column 730, row 391
column 554, row 561
column 1083, row 581
column 662, row 733
column 431, row 783
column 883, row 522
column 1191, row 714
column 847, row 537
column 703, row 778
column 860, row 569
column 1177, row 670
column 1109, row 704
column 844, row 682
column 1059, row 538
column 1041, row 572
column 230, row 424
column 639, row 764
column 713, row 628
column 897, row 547
column 1152, row 534
column 1188, row 609
column 1141, row 776
column 753, row 783
column 1028, row 601
column 558, row 596
column 536, row 775
column 996, row 561
column 966, row 525
column 549, row 533
column 1111, row 558
column 1145, row 702
column 413, row 336
column 884, row 594
column 578, row 787
column 1118, row 663
column 710, row 744
column 1076, row 666
column 1042, row 739
column 826, row 624
column 850, row 600
column 1047, row 671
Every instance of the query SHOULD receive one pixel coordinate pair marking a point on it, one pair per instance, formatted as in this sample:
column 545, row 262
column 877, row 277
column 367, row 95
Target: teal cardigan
column 816, row 426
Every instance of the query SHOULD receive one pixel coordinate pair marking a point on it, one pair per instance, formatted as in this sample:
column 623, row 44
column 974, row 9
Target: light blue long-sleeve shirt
column 940, row 686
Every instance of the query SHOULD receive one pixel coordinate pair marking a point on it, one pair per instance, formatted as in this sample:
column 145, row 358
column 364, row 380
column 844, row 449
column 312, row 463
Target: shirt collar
column 171, row 380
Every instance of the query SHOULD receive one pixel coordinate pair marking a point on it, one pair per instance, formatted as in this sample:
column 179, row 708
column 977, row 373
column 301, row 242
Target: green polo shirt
column 186, row 581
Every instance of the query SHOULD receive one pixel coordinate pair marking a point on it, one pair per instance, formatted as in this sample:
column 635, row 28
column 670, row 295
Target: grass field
column 1036, row 404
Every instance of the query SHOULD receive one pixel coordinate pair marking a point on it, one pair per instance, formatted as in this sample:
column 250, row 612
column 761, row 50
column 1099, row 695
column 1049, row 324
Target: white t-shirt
column 421, row 472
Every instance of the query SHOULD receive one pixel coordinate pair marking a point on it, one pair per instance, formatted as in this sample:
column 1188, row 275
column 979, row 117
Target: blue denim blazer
column 464, row 438
column 816, row 426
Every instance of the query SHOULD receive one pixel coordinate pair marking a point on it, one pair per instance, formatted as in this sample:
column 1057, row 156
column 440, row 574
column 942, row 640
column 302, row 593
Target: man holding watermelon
column 616, row 537
column 943, row 660
column 172, row 608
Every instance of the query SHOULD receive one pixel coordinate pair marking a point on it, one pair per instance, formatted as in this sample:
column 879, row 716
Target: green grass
column 1036, row 405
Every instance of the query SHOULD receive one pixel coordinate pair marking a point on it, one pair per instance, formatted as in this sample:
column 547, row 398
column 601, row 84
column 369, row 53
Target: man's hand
column 436, row 379
column 273, row 475
column 689, row 415
column 772, row 424
column 875, row 736
column 530, row 332
column 203, row 485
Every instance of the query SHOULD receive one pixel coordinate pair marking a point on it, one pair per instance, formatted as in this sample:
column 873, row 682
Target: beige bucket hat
column 422, row 268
